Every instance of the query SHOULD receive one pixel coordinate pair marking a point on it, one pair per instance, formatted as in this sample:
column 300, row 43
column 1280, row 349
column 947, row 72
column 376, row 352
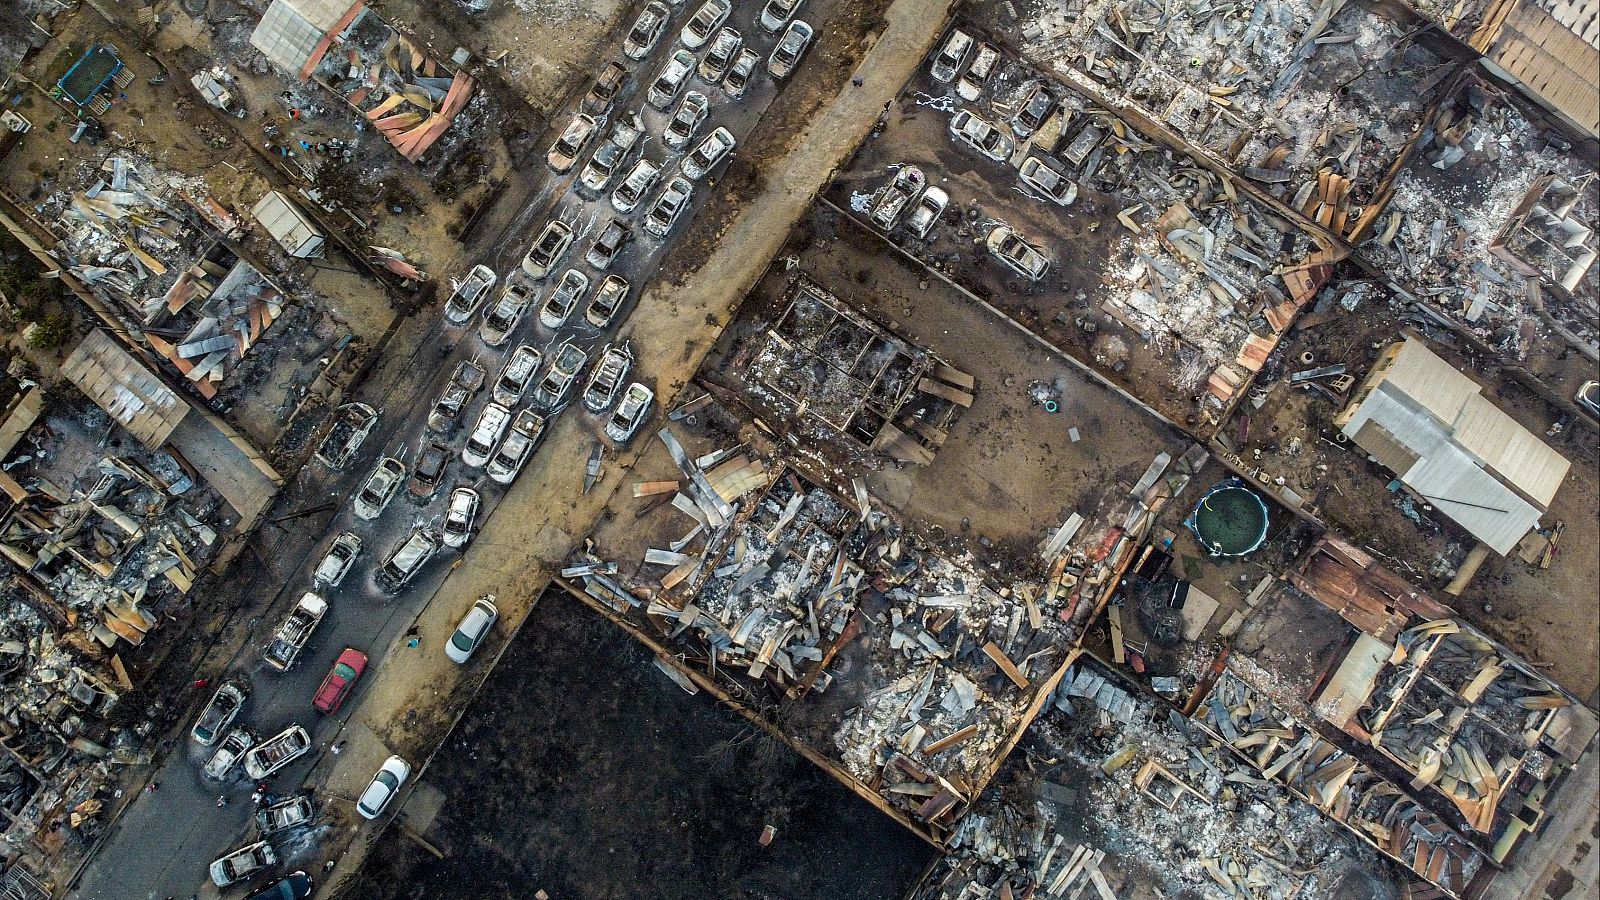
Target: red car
column 340, row 679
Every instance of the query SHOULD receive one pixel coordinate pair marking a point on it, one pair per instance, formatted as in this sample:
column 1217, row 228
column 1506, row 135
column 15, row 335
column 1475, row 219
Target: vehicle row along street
column 386, row 579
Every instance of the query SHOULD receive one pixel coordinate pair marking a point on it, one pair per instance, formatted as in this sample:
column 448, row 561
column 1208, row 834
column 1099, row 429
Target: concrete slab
column 1197, row 613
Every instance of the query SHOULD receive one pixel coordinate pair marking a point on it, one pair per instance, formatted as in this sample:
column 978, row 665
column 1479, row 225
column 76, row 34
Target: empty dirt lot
column 584, row 771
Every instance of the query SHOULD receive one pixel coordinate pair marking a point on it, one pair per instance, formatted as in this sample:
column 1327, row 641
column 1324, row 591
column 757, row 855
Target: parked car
column 646, row 30
column 951, row 57
column 463, row 384
column 563, row 299
column 340, row 681
column 630, row 413
column 228, row 753
column 1038, row 174
column 459, row 518
column 379, row 489
column 469, row 633
column 777, row 12
column 1037, row 107
column 290, row 638
column 1588, row 397
column 671, row 79
column 738, row 77
column 469, row 292
column 407, row 559
column 242, row 864
column 294, row 886
column 613, row 79
column 930, row 206
column 277, row 752
column 514, row 377
column 519, row 444
column 429, row 471
column 613, row 290
column 639, row 180
column 290, row 812
column 486, row 433
column 337, row 562
column 686, row 119
column 607, row 378
column 352, row 422
column 219, row 713
column 705, row 157
column 608, row 246
column 977, row 76
column 1016, row 253
column 785, row 57
column 670, row 204
column 569, row 146
column 707, row 19
column 724, row 47
column 564, row 367
column 902, row 191
column 384, row 785
column 981, row 136
column 502, row 318
column 603, row 165
column 547, row 249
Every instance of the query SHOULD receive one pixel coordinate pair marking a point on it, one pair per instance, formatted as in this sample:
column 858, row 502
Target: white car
column 646, row 30
column 224, row 707
column 724, row 47
column 474, row 625
column 242, row 864
column 502, row 318
column 640, row 179
column 459, row 518
column 515, row 375
column 514, row 451
column 1036, row 173
column 608, row 246
column 227, row 755
column 274, row 753
column 563, row 299
column 565, row 365
column 613, row 290
column 607, row 378
column 785, row 57
column 668, row 206
column 705, row 157
column 384, row 785
column 738, row 78
column 981, row 136
column 569, row 146
column 491, row 425
column 379, row 488
column 547, row 249
column 630, row 413
column 707, row 19
column 1020, row 256
column 777, row 12
column 977, row 76
column 686, row 119
column 406, row 560
column 468, row 294
column 337, row 562
column 930, row 206
column 951, row 57
column 671, row 79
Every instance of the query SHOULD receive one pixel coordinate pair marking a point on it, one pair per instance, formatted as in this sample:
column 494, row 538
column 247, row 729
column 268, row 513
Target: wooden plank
column 940, row 389
column 1114, row 617
column 652, row 488
column 950, row 740
column 1006, row 666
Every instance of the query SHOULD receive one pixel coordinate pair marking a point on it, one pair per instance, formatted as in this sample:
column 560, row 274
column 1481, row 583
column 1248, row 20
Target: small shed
column 290, row 227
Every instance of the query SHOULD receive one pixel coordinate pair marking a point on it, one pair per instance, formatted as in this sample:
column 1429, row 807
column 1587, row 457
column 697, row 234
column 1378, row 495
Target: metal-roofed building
column 1433, row 427
column 288, row 225
column 294, row 34
column 125, row 388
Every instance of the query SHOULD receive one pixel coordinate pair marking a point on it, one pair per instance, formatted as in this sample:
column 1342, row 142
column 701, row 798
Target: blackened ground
column 582, row 770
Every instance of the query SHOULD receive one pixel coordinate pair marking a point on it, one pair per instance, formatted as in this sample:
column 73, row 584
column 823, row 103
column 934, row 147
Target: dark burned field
column 583, row 771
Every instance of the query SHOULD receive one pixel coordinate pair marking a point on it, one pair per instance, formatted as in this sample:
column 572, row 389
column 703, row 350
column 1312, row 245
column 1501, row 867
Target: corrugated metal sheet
column 287, row 225
column 291, row 30
column 1520, row 457
column 1430, row 382
column 125, row 389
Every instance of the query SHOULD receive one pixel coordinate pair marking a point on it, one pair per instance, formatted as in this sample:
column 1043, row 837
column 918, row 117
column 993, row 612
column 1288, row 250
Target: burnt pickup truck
column 292, row 635
column 276, row 752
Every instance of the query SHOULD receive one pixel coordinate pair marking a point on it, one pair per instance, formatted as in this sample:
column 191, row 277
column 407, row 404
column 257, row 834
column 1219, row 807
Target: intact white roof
column 291, row 30
column 287, row 225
